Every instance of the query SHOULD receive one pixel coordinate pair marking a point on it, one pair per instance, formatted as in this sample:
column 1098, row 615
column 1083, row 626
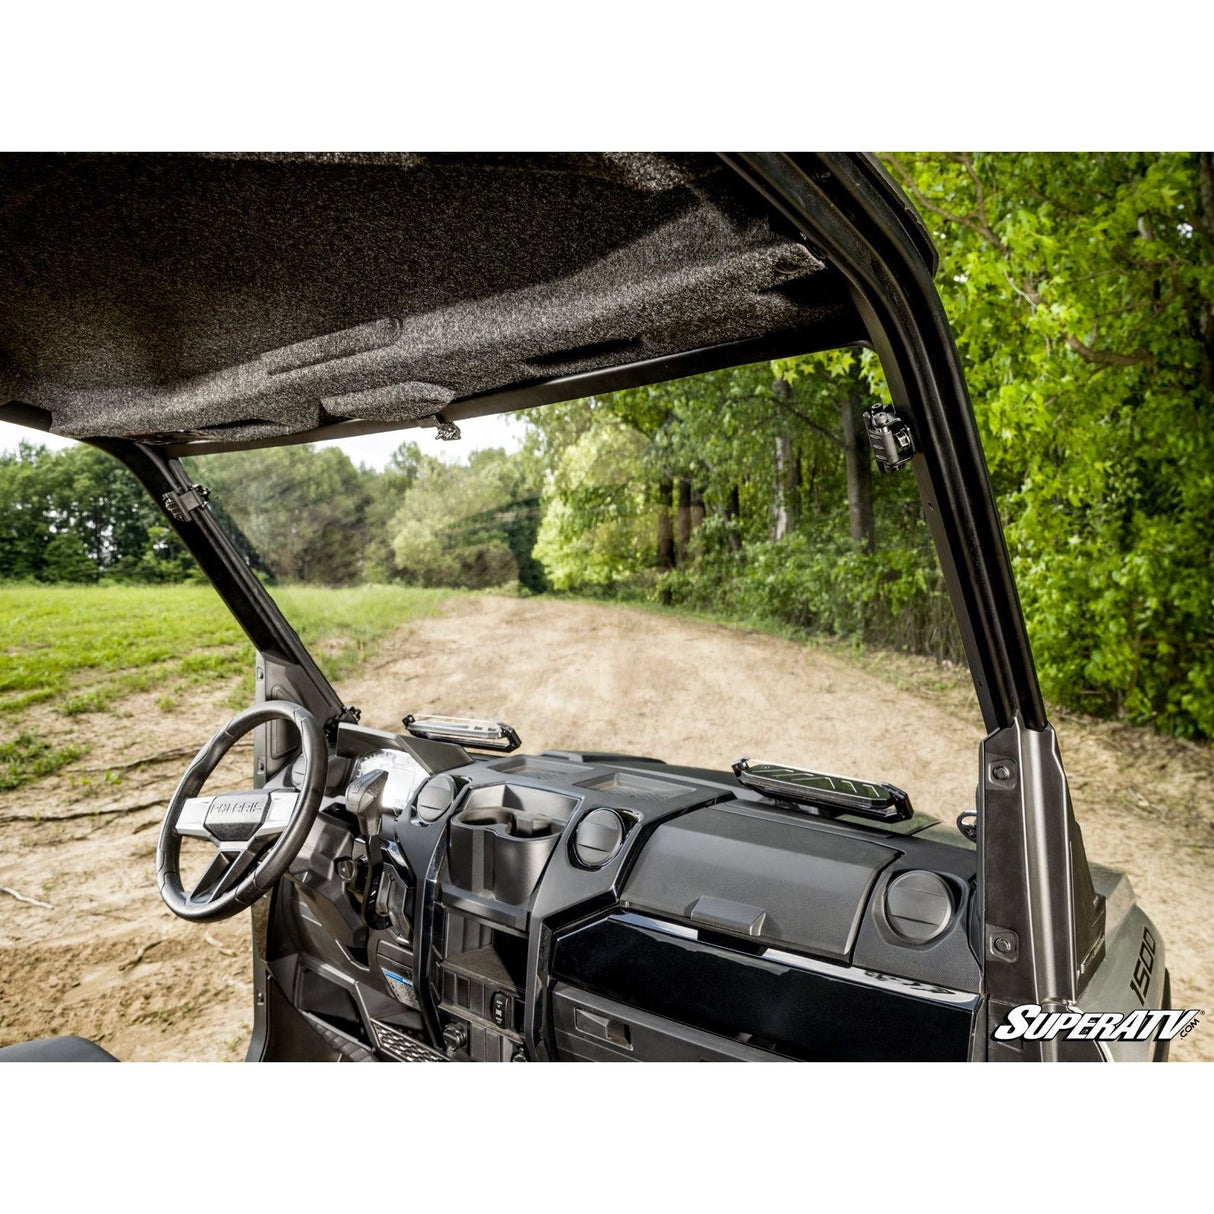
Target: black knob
column 455, row 1037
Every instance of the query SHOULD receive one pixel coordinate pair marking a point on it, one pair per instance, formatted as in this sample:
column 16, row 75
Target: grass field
column 83, row 647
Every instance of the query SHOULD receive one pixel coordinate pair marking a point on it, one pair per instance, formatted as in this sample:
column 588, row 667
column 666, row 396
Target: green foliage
column 83, row 647
column 469, row 525
column 64, row 559
column 295, row 514
column 607, row 458
column 819, row 580
column 26, row 757
column 302, row 509
column 387, row 490
column 78, row 515
column 598, row 519
column 1080, row 289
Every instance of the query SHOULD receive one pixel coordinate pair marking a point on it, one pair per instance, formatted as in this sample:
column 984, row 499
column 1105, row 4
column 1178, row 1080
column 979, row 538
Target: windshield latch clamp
column 890, row 438
column 182, row 503
column 446, row 431
column 348, row 715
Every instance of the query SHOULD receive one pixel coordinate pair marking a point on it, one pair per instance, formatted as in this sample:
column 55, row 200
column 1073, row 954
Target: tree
column 24, row 526
column 1080, row 289
column 598, row 514
column 303, row 509
column 62, row 509
column 66, row 559
column 468, row 525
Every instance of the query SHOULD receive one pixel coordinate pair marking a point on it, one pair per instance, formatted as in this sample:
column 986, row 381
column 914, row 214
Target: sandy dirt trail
column 111, row 963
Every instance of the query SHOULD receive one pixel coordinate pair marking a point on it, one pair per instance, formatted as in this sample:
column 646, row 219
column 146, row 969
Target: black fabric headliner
column 240, row 298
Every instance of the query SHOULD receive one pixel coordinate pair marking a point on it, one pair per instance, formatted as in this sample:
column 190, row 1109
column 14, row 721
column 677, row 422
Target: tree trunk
column 792, row 488
column 781, row 510
column 858, row 457
column 733, row 516
column 697, row 510
column 684, row 522
column 665, row 536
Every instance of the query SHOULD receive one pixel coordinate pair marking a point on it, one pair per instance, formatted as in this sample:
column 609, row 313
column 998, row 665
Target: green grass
column 84, row 647
column 26, row 758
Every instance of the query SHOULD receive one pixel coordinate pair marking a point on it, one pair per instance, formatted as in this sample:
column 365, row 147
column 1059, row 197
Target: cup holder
column 513, row 823
column 485, row 817
column 502, row 839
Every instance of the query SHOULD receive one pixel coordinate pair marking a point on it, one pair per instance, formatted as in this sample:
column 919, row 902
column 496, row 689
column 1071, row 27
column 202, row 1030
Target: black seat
column 56, row 1049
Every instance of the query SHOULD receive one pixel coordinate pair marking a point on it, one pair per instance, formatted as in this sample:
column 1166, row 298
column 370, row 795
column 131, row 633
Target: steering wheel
column 256, row 834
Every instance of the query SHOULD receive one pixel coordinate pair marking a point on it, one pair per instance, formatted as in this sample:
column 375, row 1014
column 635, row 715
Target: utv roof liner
column 212, row 302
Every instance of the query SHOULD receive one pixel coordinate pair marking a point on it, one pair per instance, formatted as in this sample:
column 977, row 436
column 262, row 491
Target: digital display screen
column 405, row 775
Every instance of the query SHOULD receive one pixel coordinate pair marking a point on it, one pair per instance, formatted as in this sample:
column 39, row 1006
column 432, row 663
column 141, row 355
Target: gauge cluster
column 405, row 776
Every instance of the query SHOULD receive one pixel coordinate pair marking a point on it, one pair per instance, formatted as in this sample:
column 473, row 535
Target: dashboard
column 580, row 906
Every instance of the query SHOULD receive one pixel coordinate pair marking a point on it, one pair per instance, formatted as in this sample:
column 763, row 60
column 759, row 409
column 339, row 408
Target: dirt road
column 111, row 963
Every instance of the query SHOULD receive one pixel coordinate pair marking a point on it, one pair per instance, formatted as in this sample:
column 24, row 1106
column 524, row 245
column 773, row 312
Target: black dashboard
column 584, row 906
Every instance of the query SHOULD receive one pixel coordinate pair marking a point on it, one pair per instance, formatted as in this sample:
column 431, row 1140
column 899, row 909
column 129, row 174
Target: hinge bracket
column 348, row 715
column 446, row 431
column 890, row 438
column 182, row 503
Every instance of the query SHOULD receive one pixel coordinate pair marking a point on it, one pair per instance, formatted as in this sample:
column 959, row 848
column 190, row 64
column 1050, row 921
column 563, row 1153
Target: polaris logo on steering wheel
column 245, row 807
column 234, row 818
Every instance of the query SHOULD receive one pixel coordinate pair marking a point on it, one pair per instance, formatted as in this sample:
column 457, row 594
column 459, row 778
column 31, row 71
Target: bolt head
column 1003, row 944
column 1001, row 771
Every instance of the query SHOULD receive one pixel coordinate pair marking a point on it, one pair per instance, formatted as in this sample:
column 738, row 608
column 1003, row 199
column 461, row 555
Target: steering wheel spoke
column 225, row 872
column 283, row 804
column 192, row 822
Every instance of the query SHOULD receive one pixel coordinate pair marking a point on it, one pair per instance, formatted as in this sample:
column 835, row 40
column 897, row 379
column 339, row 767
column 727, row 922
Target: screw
column 1003, row 944
column 1001, row 771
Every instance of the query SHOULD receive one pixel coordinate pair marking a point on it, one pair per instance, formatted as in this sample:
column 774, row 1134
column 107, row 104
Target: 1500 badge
column 1144, row 966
